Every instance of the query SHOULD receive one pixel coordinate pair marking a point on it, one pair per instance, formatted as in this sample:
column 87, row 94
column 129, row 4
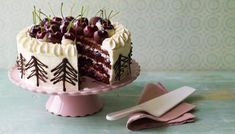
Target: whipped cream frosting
column 66, row 48
column 121, row 38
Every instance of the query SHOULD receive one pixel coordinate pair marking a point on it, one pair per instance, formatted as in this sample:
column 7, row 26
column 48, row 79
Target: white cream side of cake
column 49, row 54
column 118, row 43
column 52, row 54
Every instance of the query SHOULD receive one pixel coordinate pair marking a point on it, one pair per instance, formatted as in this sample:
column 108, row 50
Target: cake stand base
column 73, row 106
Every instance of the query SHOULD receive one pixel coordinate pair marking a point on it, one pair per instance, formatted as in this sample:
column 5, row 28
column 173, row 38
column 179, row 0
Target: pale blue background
column 167, row 34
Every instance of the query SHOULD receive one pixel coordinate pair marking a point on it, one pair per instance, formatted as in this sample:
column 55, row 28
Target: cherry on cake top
column 55, row 29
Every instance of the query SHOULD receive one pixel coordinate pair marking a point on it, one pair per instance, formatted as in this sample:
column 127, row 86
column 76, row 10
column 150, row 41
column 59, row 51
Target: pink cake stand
column 77, row 103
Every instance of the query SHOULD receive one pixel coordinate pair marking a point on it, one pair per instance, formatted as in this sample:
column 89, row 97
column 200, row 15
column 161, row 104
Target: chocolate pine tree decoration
column 66, row 73
column 20, row 62
column 38, row 70
column 120, row 65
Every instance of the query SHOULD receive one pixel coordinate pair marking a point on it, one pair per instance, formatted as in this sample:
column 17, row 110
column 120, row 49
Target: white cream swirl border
column 40, row 47
column 121, row 38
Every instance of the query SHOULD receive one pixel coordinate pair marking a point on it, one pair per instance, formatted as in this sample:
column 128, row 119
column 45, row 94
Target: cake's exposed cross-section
column 38, row 70
column 66, row 73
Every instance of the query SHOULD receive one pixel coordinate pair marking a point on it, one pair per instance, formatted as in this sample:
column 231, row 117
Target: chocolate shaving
column 66, row 73
column 20, row 62
column 38, row 71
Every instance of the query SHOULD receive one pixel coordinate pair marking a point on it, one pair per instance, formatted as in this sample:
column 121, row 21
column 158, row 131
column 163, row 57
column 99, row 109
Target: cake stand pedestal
column 74, row 103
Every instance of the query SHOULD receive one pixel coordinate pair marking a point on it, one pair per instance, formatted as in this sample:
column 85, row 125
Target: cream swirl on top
column 67, row 48
column 121, row 38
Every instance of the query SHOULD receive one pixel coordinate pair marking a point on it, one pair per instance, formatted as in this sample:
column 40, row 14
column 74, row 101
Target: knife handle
column 122, row 113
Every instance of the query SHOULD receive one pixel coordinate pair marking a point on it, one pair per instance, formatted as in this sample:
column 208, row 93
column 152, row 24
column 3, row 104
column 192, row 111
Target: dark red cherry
column 78, row 30
column 63, row 27
column 52, row 28
column 33, row 31
column 51, row 22
column 41, row 34
column 106, row 23
column 55, row 37
column 100, row 35
column 57, row 19
column 70, row 36
column 44, row 21
column 89, row 30
column 95, row 19
column 69, row 18
column 82, row 22
column 55, row 22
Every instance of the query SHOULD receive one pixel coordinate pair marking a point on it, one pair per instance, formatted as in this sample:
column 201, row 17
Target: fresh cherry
column 100, row 35
column 89, row 30
column 55, row 37
column 41, row 34
column 57, row 19
column 44, row 21
column 79, row 30
column 63, row 27
column 33, row 31
column 51, row 22
column 82, row 22
column 69, row 35
column 55, row 22
column 95, row 19
column 110, row 30
column 52, row 28
column 69, row 18
column 106, row 23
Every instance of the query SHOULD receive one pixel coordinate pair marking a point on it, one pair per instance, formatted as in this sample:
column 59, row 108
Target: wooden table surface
column 23, row 112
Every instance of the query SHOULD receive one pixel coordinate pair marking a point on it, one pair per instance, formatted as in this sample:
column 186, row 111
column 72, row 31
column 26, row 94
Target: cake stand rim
column 77, row 93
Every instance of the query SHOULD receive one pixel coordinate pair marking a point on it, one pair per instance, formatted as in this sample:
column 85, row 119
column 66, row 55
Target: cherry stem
column 105, row 14
column 101, row 11
column 78, row 16
column 61, row 10
column 70, row 25
column 35, row 12
column 40, row 12
column 82, row 11
column 110, row 14
column 51, row 9
column 48, row 17
column 34, row 18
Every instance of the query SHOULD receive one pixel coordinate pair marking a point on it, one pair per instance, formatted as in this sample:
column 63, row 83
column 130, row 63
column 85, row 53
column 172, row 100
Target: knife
column 157, row 106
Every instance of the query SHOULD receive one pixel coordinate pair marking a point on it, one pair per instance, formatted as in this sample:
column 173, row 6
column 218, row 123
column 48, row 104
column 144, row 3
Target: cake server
column 157, row 106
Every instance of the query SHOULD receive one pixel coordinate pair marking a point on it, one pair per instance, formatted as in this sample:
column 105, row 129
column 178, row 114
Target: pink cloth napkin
column 177, row 115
